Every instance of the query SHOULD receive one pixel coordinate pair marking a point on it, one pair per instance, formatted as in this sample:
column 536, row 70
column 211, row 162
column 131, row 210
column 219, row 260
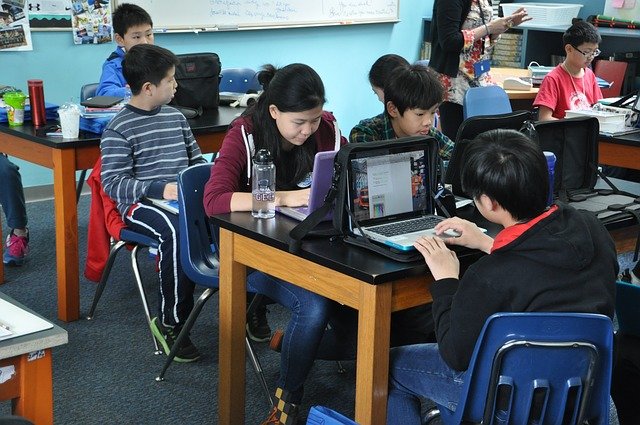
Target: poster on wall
column 91, row 21
column 50, row 14
column 15, row 33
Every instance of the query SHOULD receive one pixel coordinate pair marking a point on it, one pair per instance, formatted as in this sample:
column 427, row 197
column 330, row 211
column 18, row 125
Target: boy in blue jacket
column 131, row 25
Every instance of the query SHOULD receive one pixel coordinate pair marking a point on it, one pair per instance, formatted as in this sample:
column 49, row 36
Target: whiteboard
column 217, row 15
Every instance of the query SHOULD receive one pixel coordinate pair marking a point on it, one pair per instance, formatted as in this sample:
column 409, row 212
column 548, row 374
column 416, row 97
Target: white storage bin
column 545, row 14
column 610, row 122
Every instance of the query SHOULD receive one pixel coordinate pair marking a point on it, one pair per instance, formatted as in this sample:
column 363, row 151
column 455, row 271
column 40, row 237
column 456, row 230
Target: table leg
column 31, row 390
column 372, row 366
column 66, row 222
column 232, row 306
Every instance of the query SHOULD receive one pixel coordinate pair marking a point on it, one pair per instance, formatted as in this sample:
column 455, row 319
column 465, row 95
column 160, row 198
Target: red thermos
column 36, row 100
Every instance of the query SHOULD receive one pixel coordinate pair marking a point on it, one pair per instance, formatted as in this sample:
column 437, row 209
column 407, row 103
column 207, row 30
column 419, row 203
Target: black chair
column 468, row 130
column 86, row 91
column 198, row 248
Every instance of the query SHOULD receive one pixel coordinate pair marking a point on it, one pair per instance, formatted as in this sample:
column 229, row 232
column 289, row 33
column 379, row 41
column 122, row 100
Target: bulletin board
column 220, row 15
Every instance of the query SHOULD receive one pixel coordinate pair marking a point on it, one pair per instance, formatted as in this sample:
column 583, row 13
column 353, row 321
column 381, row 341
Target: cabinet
column 539, row 44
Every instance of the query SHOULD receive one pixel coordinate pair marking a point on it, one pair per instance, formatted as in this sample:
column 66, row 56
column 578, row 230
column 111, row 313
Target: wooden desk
column 371, row 284
column 31, row 388
column 65, row 157
column 621, row 151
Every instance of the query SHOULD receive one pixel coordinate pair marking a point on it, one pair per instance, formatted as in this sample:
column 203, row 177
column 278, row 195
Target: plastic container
column 545, row 14
column 15, row 107
column 551, row 166
column 69, row 114
column 610, row 122
column 263, row 185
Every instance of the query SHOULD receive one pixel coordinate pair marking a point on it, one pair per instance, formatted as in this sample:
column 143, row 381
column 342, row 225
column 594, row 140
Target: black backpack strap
column 306, row 226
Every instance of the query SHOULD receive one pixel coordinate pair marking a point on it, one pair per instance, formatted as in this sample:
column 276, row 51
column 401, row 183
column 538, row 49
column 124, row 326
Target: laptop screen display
column 389, row 185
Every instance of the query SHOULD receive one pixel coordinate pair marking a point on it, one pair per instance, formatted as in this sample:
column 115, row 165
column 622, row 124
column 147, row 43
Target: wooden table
column 621, row 151
column 65, row 157
column 31, row 388
column 367, row 282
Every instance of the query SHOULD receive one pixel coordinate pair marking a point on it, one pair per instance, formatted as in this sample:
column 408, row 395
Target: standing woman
column 288, row 120
column 462, row 37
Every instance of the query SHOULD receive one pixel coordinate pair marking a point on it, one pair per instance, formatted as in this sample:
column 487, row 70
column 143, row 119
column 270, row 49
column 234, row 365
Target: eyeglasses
column 588, row 54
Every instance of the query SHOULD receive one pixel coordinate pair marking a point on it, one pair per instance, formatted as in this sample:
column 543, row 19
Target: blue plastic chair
column 485, row 100
column 628, row 308
column 135, row 240
column 542, row 368
column 199, row 261
column 239, row 80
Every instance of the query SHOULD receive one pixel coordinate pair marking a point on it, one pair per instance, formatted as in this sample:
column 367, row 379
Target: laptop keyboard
column 407, row 226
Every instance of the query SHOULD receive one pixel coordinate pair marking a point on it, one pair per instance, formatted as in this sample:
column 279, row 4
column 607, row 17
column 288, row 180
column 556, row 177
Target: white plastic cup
column 69, row 122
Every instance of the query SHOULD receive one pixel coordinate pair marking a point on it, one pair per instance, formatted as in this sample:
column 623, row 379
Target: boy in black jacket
column 553, row 259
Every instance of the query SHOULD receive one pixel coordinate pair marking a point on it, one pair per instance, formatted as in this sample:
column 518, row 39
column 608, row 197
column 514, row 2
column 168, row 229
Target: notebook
column 390, row 196
column 171, row 206
column 320, row 184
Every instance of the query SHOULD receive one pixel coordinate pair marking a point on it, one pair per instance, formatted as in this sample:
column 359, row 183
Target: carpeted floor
column 105, row 374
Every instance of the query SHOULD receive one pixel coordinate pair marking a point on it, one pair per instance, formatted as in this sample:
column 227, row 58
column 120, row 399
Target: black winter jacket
column 567, row 262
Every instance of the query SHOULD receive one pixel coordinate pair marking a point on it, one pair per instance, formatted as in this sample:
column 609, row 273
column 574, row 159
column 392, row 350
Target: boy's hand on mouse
column 442, row 262
column 470, row 235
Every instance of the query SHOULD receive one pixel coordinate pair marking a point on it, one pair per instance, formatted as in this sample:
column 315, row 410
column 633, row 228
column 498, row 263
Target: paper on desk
column 6, row 373
column 20, row 322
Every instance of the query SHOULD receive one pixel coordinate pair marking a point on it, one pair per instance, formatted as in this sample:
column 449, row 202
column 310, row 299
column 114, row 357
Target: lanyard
column 484, row 23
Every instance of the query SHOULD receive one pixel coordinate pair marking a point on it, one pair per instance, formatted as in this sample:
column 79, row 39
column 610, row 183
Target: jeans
column 12, row 194
column 307, row 336
column 415, row 372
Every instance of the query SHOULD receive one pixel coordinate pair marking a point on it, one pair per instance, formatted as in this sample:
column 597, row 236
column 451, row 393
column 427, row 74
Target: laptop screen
column 389, row 184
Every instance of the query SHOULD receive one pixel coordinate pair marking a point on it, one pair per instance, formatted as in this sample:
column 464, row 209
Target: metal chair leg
column 186, row 328
column 83, row 176
column 105, row 276
column 257, row 368
column 143, row 294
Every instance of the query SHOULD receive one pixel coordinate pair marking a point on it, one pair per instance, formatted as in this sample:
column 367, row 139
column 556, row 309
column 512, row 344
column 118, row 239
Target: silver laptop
column 320, row 184
column 390, row 196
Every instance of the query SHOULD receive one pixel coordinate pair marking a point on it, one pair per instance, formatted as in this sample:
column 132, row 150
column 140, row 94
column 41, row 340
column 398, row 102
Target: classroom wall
column 341, row 55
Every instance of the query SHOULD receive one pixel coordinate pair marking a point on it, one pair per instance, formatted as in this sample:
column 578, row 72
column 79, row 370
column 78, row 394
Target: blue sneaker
column 16, row 250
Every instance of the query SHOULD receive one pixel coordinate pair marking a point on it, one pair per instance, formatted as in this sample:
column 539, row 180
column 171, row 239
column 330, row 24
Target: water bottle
column 263, row 185
column 551, row 164
column 36, row 101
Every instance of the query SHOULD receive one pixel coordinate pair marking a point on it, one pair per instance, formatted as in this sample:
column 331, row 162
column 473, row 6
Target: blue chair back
column 199, row 262
column 486, row 100
column 320, row 415
column 543, row 368
column 628, row 308
column 87, row 91
column 239, row 80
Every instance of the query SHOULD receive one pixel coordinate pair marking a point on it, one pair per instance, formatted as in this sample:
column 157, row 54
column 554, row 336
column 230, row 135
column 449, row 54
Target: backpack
column 337, row 201
column 198, row 78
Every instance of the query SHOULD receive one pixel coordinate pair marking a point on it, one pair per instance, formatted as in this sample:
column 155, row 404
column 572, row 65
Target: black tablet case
column 101, row 101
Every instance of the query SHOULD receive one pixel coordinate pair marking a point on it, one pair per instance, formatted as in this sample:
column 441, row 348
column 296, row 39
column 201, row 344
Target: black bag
column 198, row 78
column 337, row 196
column 574, row 141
